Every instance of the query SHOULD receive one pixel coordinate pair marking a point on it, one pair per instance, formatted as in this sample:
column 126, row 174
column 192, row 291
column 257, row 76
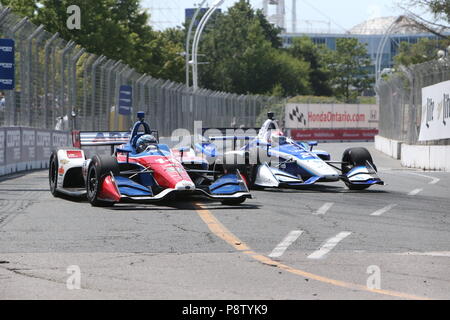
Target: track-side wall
column 23, row 149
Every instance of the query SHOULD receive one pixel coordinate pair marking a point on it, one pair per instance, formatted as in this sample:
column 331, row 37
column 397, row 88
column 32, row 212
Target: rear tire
column 99, row 167
column 354, row 157
column 53, row 174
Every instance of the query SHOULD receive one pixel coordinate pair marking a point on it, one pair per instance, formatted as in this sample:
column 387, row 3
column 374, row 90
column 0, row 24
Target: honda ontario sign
column 435, row 112
column 328, row 122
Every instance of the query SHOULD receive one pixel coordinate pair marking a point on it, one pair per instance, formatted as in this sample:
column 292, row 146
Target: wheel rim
column 92, row 183
column 53, row 173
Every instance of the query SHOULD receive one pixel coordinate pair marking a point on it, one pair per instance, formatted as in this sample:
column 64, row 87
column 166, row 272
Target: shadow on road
column 320, row 189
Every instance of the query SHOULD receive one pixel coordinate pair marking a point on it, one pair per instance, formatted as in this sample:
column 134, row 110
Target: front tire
column 53, row 174
column 99, row 167
column 352, row 158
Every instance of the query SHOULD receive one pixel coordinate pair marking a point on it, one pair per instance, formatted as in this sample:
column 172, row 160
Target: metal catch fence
column 400, row 100
column 60, row 86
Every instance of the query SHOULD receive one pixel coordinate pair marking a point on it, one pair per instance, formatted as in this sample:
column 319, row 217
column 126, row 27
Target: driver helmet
column 277, row 138
column 144, row 141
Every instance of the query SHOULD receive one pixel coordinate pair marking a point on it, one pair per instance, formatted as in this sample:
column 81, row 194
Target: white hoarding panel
column 435, row 112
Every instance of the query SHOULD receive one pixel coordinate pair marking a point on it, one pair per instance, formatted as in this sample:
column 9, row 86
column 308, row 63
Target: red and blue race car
column 139, row 170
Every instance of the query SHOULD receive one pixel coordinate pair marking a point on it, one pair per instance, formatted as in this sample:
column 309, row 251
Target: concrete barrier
column 426, row 157
column 390, row 147
column 23, row 149
column 416, row 156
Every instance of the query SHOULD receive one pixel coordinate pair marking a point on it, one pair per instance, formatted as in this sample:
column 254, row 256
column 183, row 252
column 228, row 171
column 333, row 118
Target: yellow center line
column 223, row 233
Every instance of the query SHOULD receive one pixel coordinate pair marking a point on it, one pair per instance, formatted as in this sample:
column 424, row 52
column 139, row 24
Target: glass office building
column 371, row 33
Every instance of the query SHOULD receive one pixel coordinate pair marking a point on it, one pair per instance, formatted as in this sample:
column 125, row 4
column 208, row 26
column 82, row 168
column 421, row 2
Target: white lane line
column 329, row 245
column 414, row 192
column 430, row 254
column 384, row 210
column 283, row 245
column 327, row 206
column 434, row 180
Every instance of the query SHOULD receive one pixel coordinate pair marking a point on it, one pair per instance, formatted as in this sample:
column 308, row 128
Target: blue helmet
column 144, row 141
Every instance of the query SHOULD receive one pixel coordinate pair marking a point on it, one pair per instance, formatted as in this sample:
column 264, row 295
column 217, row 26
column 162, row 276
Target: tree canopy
column 119, row 30
column 244, row 56
column 244, row 51
column 422, row 51
column 349, row 68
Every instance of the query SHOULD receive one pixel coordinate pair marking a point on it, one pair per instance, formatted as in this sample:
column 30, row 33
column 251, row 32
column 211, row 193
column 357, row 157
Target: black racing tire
column 234, row 202
column 99, row 167
column 356, row 157
column 247, row 170
column 53, row 174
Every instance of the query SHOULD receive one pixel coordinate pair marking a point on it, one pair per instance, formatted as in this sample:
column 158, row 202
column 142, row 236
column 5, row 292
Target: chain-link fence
column 400, row 99
column 61, row 86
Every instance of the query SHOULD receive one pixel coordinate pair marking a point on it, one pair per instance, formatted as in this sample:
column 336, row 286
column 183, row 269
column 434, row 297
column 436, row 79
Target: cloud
column 373, row 11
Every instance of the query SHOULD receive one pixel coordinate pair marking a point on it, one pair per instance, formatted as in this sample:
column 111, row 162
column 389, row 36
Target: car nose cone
column 185, row 185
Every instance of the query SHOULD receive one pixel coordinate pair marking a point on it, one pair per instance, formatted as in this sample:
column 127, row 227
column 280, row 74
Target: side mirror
column 312, row 144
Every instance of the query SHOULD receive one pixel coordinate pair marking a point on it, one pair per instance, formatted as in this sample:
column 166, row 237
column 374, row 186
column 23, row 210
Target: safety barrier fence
column 60, row 86
column 401, row 103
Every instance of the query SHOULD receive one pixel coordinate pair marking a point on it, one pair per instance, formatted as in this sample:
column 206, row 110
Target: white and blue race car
column 271, row 160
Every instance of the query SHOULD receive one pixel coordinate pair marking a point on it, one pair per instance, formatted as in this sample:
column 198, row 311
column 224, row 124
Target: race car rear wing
column 99, row 138
column 103, row 138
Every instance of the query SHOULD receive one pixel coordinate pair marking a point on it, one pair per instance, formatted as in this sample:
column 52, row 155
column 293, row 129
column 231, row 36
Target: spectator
column 2, row 102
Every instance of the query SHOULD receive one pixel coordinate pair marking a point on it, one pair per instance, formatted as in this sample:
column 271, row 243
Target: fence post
column 26, row 104
column 110, row 92
column 73, row 95
column 103, row 108
column 63, row 104
column 94, row 89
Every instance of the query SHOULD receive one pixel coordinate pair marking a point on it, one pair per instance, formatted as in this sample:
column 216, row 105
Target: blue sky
column 334, row 15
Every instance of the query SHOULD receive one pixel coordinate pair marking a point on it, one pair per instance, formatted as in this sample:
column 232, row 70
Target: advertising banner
column 125, row 100
column 435, row 112
column 334, row 134
column 13, row 149
column 61, row 140
column 28, row 152
column 331, row 116
column 43, row 145
column 24, row 149
column 7, row 64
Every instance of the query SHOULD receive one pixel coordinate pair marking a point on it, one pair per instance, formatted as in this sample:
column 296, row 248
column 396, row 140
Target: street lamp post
column 197, row 36
column 188, row 41
column 382, row 45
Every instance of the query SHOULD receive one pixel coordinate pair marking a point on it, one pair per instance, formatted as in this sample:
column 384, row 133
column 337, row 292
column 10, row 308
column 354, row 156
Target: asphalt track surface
column 321, row 242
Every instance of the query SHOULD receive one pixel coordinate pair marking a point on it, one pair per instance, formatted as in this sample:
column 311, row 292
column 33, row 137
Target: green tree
column 118, row 29
column 349, row 67
column 439, row 8
column 304, row 49
column 242, row 59
column 422, row 51
column 23, row 7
